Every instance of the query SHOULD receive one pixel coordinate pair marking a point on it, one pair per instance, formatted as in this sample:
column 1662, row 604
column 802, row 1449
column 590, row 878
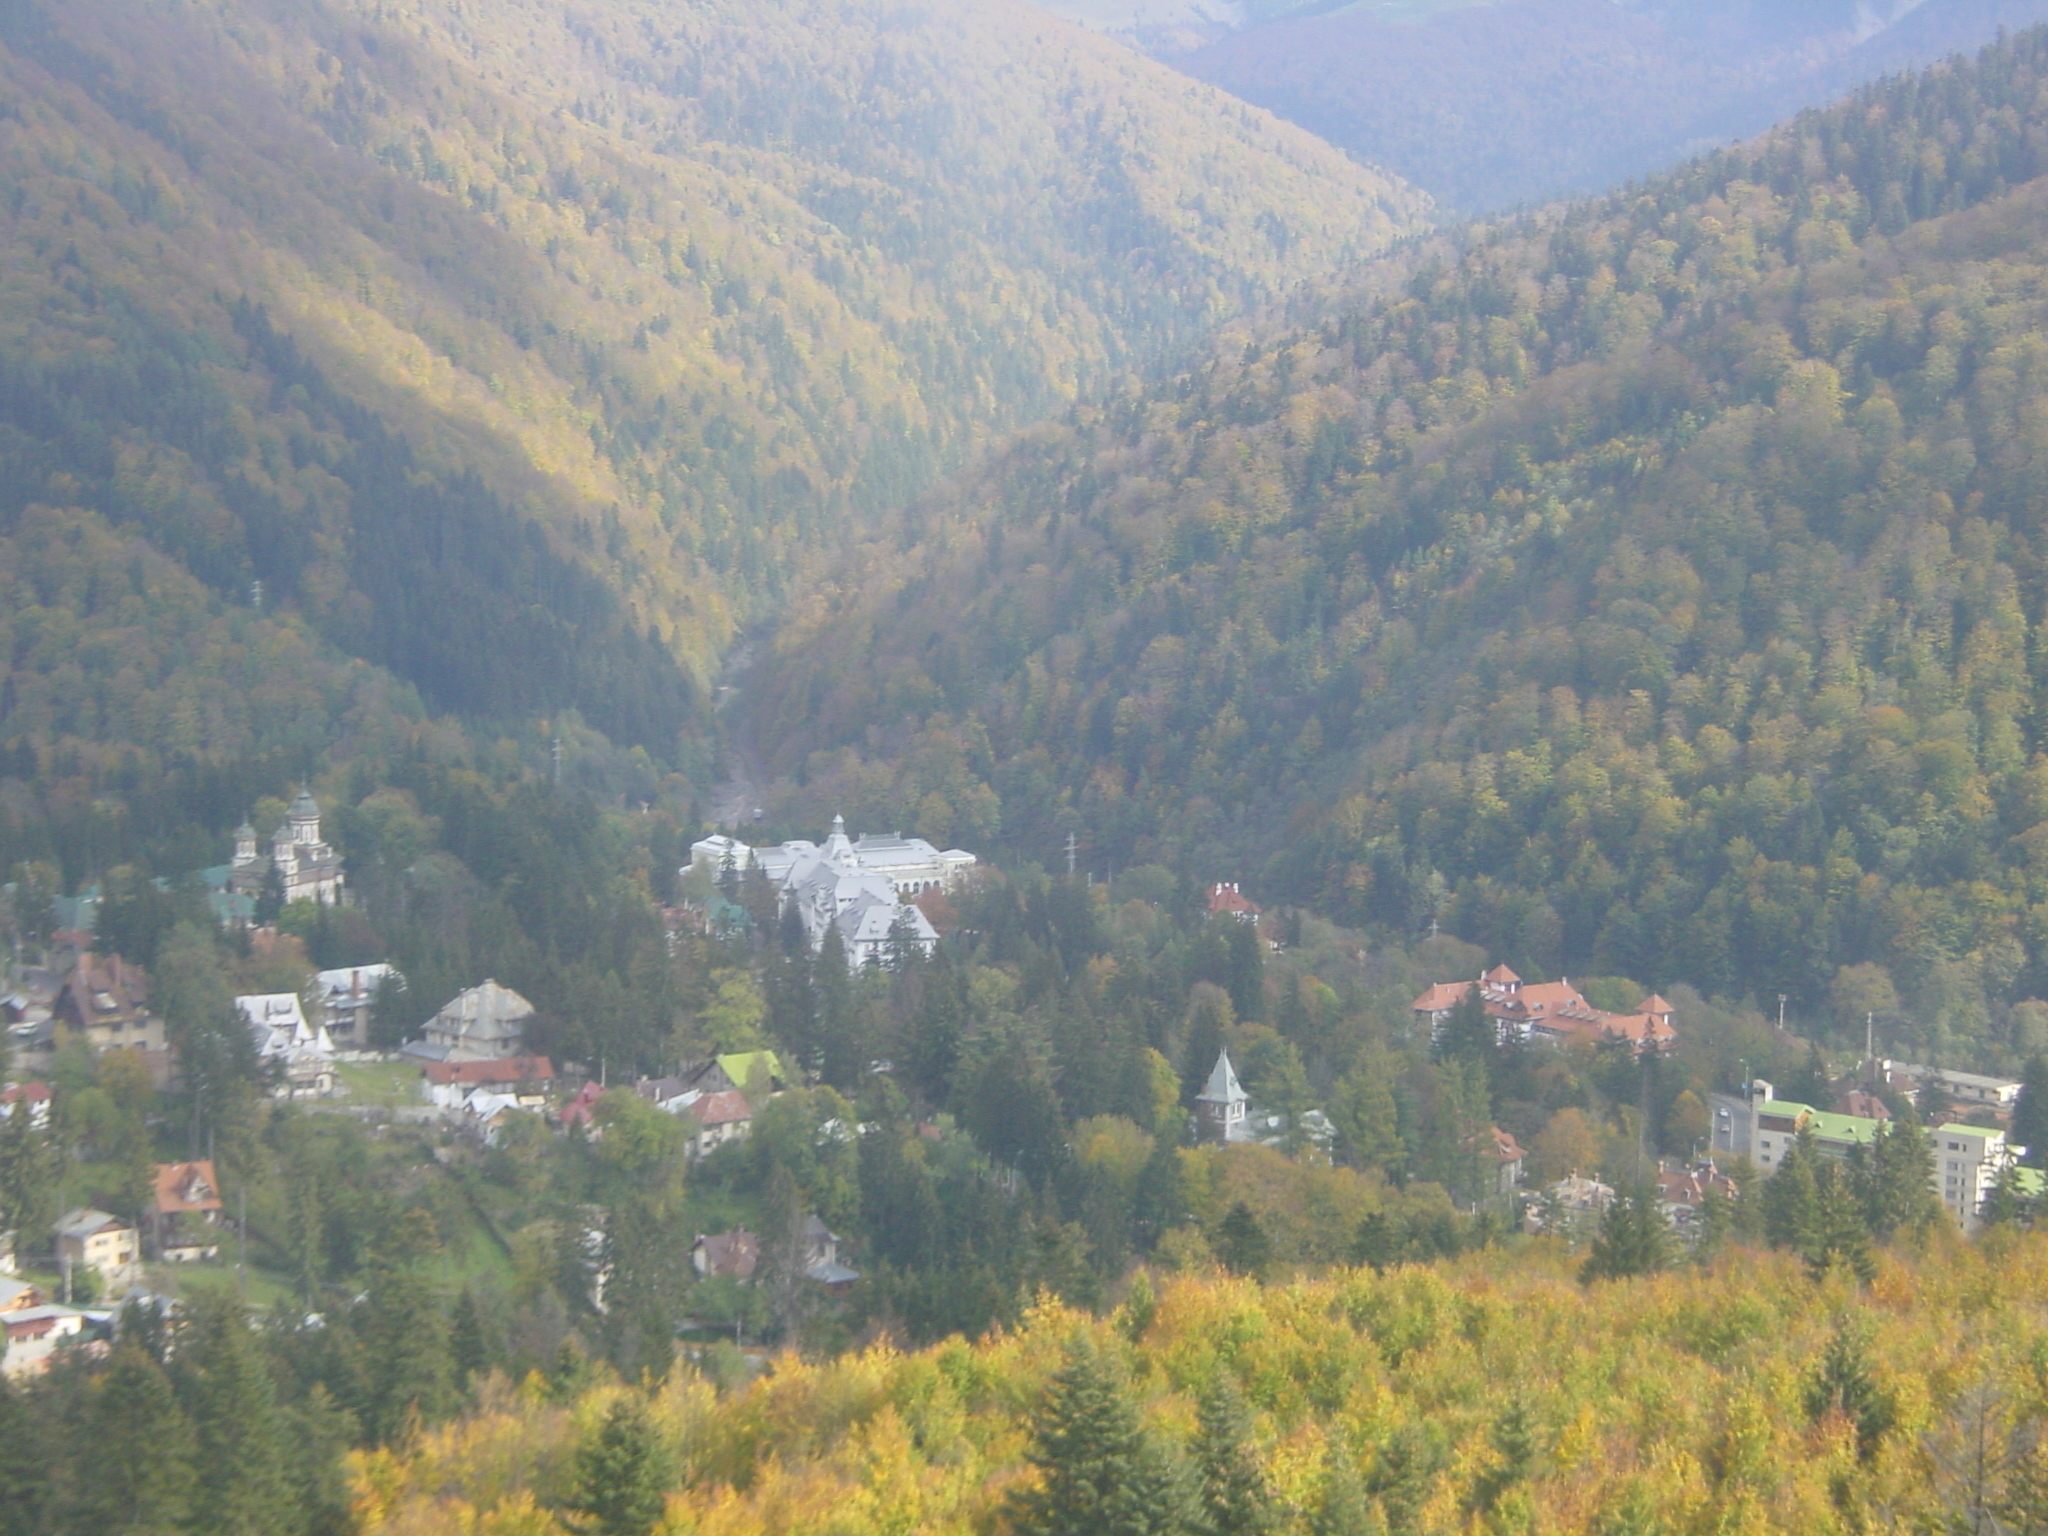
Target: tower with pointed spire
column 1222, row 1107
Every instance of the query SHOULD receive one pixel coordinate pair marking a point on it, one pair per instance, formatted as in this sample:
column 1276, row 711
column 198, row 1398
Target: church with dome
column 307, row 868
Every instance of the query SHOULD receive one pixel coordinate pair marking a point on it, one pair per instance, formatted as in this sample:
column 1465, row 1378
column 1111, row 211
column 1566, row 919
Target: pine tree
column 24, row 1464
column 1893, row 1175
column 1633, row 1239
column 1843, row 1383
column 1837, row 1233
column 2030, row 1114
column 1344, row 1509
column 622, row 1473
column 1789, row 1196
column 405, row 1331
column 1242, row 1244
column 143, row 1486
column 223, row 1379
column 1236, row 1499
column 2008, row 1204
column 1100, row 1473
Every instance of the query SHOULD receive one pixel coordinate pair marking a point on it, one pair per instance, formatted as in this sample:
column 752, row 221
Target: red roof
column 1442, row 997
column 730, row 1253
column 722, row 1108
column 33, row 1093
column 1654, row 1004
column 1226, row 897
column 513, row 1069
column 1500, row 976
column 186, row 1187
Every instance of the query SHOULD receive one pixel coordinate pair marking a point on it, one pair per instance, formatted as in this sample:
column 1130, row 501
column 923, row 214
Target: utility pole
column 242, row 1241
column 1870, row 1045
column 256, row 594
column 555, row 755
column 1781, row 1013
column 1070, row 855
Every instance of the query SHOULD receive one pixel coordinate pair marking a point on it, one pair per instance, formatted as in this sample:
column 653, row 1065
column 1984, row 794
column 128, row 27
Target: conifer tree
column 244, row 1487
column 1844, row 1383
column 143, row 1486
column 1100, row 1473
column 2030, row 1113
column 622, row 1473
column 405, row 1330
column 1236, row 1499
column 1344, row 1508
column 2008, row 1204
column 1894, row 1173
column 1242, row 1244
column 1633, row 1238
column 1837, row 1234
column 24, row 1464
column 1790, row 1196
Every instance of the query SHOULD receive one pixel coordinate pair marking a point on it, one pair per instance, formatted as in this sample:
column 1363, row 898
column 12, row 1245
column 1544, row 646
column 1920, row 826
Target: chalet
column 298, row 1053
column 485, row 1023
column 184, row 1214
column 1549, row 1011
column 107, row 1000
column 1501, row 1155
column 346, row 999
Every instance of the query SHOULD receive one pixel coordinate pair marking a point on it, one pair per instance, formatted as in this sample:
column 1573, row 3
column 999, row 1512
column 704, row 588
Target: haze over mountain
column 1647, row 587
column 528, row 350
column 1491, row 105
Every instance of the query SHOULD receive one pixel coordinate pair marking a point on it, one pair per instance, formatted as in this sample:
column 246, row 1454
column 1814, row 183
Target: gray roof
column 304, row 805
column 1223, row 1087
column 85, row 1221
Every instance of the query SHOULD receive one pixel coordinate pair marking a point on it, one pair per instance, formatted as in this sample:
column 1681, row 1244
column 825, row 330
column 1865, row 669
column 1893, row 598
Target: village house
column 306, row 868
column 865, row 888
column 1226, row 900
column 92, row 1239
column 106, row 999
column 1550, row 1012
column 184, row 1214
column 719, row 1118
column 449, row 1084
column 732, row 1254
column 295, row 1050
column 1682, row 1193
column 33, row 1099
column 1966, row 1163
column 346, row 998
column 485, row 1023
column 35, row 1330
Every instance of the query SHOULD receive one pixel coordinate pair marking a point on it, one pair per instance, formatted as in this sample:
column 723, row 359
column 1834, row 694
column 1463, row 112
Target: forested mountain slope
column 1648, row 587
column 523, row 349
column 1493, row 105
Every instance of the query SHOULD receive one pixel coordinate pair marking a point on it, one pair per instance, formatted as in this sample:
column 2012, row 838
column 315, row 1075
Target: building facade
column 1551, row 1012
column 306, row 867
column 863, row 888
column 1967, row 1159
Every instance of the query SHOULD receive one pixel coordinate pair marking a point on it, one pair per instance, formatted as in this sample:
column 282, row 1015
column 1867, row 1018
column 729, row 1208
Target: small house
column 184, row 1215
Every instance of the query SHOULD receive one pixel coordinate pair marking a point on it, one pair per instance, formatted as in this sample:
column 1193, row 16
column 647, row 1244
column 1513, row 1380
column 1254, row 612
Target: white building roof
column 1223, row 1086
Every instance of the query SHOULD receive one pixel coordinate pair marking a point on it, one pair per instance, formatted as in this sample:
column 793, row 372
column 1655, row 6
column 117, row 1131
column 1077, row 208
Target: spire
column 1223, row 1087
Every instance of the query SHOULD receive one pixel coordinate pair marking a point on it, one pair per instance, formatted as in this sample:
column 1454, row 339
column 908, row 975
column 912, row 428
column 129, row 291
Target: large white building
column 866, row 888
column 1967, row 1158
